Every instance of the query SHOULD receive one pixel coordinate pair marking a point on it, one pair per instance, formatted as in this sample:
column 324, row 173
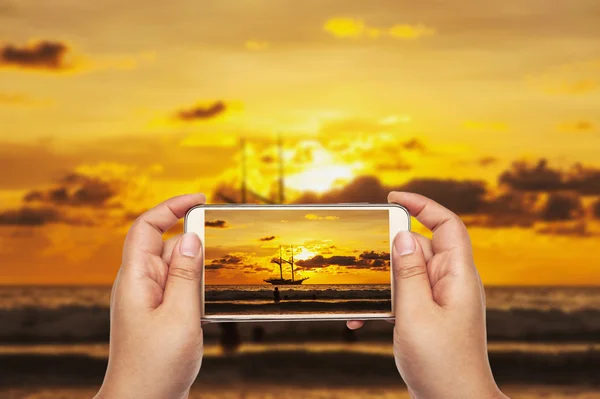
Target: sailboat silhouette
column 281, row 280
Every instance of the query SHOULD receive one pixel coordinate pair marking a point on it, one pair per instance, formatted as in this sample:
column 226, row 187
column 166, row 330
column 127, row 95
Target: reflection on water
column 267, row 392
column 101, row 350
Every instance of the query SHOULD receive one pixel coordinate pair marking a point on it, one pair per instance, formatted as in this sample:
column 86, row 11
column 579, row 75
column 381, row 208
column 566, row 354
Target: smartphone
column 297, row 262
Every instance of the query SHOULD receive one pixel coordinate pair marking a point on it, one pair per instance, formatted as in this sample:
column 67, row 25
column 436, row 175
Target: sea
column 544, row 342
column 298, row 299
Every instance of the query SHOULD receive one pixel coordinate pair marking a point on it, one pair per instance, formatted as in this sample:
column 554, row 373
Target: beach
column 543, row 343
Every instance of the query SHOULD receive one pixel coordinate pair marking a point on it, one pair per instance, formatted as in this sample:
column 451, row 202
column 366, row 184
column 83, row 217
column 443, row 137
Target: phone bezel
column 399, row 220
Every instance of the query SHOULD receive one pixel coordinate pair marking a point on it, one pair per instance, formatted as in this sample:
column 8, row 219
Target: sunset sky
column 489, row 107
column 330, row 246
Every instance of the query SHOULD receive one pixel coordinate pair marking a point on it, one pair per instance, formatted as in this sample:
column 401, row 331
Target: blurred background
column 490, row 108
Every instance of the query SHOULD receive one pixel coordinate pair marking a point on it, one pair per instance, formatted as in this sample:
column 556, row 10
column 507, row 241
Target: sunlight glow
column 304, row 254
column 320, row 179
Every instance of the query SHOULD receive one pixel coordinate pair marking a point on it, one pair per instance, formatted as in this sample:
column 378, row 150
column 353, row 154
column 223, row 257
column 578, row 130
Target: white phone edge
column 399, row 220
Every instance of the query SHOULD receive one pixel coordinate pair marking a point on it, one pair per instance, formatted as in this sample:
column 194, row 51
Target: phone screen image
column 296, row 262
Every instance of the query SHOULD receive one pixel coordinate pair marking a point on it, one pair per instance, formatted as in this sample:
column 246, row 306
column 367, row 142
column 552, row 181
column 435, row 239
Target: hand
column 155, row 333
column 440, row 342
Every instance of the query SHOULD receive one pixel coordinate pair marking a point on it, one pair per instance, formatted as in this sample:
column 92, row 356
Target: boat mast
column 280, row 264
column 292, row 263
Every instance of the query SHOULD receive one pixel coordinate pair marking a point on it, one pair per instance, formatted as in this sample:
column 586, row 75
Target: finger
column 411, row 285
column 426, row 245
column 428, row 254
column 145, row 235
column 183, row 288
column 168, row 248
column 449, row 232
column 355, row 324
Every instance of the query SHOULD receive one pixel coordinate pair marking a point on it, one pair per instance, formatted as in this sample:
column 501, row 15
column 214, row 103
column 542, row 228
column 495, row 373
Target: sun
column 304, row 254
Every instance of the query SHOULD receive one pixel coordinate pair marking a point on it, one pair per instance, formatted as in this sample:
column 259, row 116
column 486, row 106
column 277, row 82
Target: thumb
column 411, row 282
column 183, row 288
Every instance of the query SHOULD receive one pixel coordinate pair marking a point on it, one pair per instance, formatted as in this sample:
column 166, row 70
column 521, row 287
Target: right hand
column 440, row 342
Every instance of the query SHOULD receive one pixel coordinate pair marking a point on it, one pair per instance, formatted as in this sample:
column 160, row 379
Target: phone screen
column 261, row 262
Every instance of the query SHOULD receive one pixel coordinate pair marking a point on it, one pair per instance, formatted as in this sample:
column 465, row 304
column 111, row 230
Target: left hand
column 155, row 334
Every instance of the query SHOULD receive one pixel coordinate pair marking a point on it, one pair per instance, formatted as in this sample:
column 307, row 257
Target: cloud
column 596, row 209
column 486, row 161
column 354, row 28
column 408, row 32
column 579, row 78
column 18, row 99
column 366, row 260
column 509, row 209
column 219, row 224
column 47, row 55
column 577, row 126
column 269, row 238
column 578, row 229
column 527, row 177
column 414, row 144
column 561, row 207
column 345, row 27
column 256, row 45
column 27, row 216
column 321, row 261
column 540, row 177
column 460, row 196
column 226, row 262
column 77, row 190
column 199, row 112
column 375, row 255
column 268, row 159
column 393, row 166
column 312, row 216
column 361, row 189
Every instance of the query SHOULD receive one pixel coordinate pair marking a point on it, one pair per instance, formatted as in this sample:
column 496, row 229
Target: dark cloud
column 596, row 209
column 375, row 255
column 217, row 266
column 361, row 189
column 510, row 209
column 561, row 207
column 268, row 159
column 219, row 224
column 396, row 165
column 576, row 230
column 200, row 113
column 48, row 55
column 580, row 126
column 414, row 144
column 77, row 190
column 460, row 196
column 366, row 260
column 228, row 259
column 583, row 180
column 538, row 177
column 487, row 161
column 269, row 238
column 226, row 262
column 321, row 261
column 27, row 216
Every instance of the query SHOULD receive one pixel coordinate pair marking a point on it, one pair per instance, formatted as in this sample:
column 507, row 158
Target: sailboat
column 281, row 280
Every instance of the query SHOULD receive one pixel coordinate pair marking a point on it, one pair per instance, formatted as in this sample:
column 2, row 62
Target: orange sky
column 330, row 247
column 106, row 110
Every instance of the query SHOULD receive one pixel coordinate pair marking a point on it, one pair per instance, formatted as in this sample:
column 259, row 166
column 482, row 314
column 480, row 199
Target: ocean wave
column 91, row 324
column 291, row 294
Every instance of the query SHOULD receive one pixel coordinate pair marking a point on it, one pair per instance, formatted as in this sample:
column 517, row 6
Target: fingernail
column 190, row 245
column 404, row 244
